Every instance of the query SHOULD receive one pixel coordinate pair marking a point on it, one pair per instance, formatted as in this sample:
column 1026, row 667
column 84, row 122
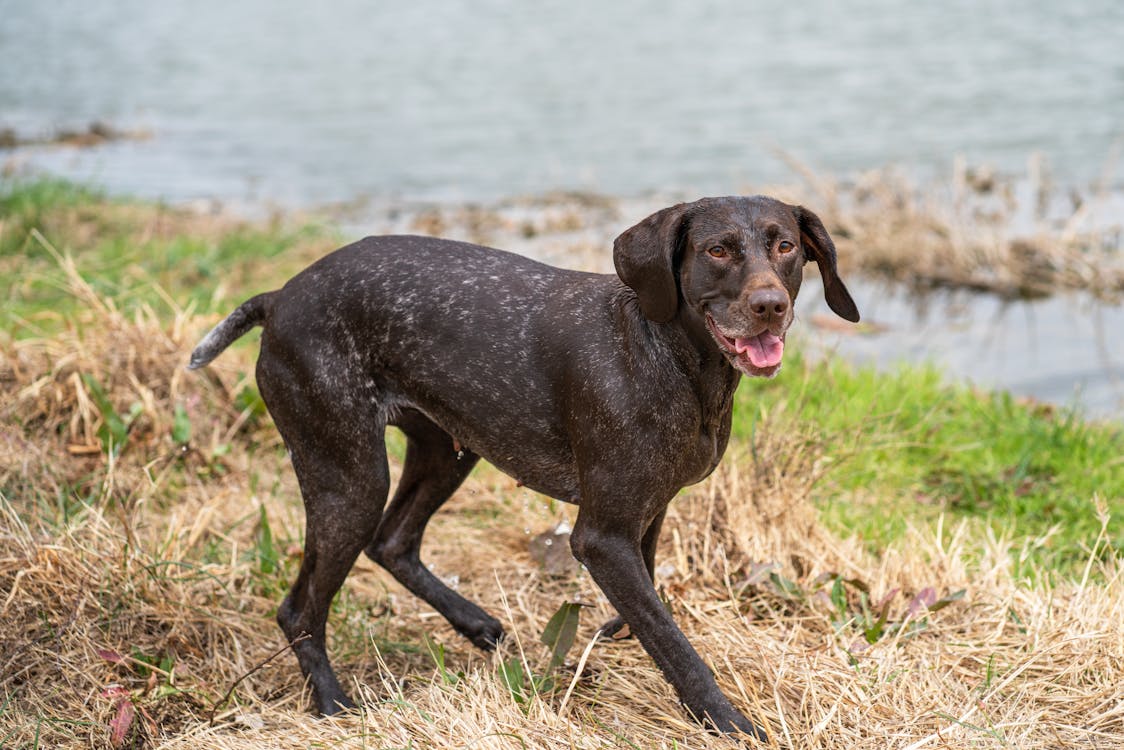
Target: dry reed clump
column 104, row 495
column 984, row 232
column 1013, row 236
column 111, row 384
column 130, row 615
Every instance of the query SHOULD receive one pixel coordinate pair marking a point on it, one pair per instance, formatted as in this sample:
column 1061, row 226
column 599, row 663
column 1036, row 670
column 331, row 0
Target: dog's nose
column 768, row 304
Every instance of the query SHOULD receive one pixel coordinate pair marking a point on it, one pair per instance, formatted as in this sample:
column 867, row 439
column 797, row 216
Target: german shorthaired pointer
column 611, row 392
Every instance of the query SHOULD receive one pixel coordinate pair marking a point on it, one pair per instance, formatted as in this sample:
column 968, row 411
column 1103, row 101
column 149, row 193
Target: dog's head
column 733, row 267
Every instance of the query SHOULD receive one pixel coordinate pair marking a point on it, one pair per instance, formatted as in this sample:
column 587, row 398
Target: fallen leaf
column 925, row 598
column 122, row 722
column 110, row 656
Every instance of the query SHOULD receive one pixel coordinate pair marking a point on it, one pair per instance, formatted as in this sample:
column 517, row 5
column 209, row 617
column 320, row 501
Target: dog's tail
column 249, row 314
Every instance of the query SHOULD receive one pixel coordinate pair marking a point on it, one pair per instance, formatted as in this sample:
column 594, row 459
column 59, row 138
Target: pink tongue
column 764, row 350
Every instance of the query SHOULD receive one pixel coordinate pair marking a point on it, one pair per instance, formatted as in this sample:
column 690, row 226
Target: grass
column 907, row 446
column 882, row 560
column 132, row 254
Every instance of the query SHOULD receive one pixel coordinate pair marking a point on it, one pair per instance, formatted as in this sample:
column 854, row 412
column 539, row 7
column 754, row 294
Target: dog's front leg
column 648, row 549
column 611, row 551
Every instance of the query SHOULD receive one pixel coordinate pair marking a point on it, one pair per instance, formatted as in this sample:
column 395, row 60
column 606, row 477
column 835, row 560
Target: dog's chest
column 710, row 445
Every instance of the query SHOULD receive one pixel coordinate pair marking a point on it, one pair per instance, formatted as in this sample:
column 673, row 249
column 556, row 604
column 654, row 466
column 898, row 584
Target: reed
column 1016, row 236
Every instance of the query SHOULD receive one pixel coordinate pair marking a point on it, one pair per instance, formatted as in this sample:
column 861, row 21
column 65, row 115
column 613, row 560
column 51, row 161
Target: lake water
column 300, row 104
column 311, row 102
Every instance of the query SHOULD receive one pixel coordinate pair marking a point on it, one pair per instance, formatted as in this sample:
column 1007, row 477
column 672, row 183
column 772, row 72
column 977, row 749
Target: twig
column 255, row 668
column 578, row 673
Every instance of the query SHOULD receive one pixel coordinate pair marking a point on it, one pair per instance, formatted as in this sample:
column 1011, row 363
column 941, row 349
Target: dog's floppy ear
column 645, row 260
column 819, row 247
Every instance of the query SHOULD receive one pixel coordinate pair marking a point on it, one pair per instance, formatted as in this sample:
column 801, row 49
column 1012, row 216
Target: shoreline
column 973, row 332
column 1020, row 235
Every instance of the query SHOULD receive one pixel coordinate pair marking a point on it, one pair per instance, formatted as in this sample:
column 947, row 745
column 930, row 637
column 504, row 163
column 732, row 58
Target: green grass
column 24, row 206
column 904, row 446
column 133, row 253
column 908, row 446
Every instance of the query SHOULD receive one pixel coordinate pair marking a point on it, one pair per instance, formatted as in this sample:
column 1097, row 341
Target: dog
column 611, row 392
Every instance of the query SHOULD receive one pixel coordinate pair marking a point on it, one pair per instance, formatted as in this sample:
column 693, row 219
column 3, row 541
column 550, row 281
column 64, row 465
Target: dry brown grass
column 1014, row 236
column 160, row 563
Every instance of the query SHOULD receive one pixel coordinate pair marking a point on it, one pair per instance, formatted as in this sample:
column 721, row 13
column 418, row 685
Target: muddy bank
column 96, row 133
column 1017, row 237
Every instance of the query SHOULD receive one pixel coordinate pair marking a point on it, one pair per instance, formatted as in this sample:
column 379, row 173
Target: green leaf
column 268, row 561
column 839, row 598
column 114, row 429
column 437, row 653
column 560, row 633
column 511, row 672
column 249, row 399
column 875, row 631
column 181, row 426
column 944, row 601
column 785, row 588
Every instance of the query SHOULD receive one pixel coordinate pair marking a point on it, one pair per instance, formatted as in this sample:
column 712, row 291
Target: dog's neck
column 694, row 352
column 698, row 354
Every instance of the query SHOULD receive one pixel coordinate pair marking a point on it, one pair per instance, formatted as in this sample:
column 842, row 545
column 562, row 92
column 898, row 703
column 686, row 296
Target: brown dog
column 610, row 392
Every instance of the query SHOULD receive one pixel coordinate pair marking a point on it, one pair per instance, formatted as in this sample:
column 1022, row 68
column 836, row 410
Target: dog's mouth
column 758, row 355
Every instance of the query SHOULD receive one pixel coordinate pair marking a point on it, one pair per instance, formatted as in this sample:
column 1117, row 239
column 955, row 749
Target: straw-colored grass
column 140, row 568
column 1016, row 236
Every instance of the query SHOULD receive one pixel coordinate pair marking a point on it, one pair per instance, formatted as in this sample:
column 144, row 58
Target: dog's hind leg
column 337, row 450
column 433, row 470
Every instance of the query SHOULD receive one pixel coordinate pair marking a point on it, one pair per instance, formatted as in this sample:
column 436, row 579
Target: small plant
column 114, row 430
column 248, row 399
column 558, row 635
column 876, row 620
column 181, row 426
column 158, row 673
column 437, row 653
column 269, row 562
column 850, row 604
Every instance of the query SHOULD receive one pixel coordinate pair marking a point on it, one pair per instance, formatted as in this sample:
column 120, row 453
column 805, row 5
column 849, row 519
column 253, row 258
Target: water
column 307, row 103
column 304, row 104
column 1063, row 350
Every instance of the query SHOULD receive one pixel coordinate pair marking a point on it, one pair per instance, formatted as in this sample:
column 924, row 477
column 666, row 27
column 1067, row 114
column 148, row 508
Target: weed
column 558, row 636
column 437, row 653
column 114, row 430
column 181, row 426
column 265, row 552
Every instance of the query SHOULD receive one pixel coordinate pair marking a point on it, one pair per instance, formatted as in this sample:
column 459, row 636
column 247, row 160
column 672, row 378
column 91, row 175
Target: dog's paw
column 615, row 629
column 335, row 705
column 485, row 635
column 733, row 724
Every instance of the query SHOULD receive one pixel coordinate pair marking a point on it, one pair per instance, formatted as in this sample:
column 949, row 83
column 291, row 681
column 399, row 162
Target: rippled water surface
column 312, row 102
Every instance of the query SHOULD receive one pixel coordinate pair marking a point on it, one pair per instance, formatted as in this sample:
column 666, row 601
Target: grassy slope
column 160, row 569
column 911, row 447
column 906, row 445
column 132, row 253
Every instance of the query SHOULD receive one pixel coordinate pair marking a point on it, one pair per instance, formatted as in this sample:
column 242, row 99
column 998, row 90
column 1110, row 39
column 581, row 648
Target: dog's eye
column 786, row 247
column 717, row 252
